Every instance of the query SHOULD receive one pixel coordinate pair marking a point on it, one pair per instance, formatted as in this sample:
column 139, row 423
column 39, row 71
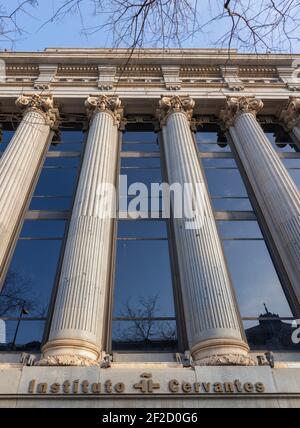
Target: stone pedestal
column 20, row 167
column 79, row 320
column 213, row 323
column 274, row 189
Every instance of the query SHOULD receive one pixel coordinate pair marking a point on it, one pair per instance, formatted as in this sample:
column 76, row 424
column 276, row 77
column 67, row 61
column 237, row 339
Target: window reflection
column 254, row 278
column 271, row 333
column 144, row 314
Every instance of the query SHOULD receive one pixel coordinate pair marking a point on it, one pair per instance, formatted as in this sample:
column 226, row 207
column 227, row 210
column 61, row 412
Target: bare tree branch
column 249, row 25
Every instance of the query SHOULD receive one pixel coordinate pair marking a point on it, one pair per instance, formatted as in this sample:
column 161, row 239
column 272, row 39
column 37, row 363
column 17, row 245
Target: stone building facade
column 228, row 123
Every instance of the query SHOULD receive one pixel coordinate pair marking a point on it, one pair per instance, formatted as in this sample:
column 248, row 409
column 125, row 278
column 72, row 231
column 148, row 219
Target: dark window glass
column 210, row 140
column 222, row 182
column 6, row 137
column 142, row 229
column 270, row 333
column 32, row 272
column 43, row 229
column 33, row 269
column 144, row 314
column 255, row 278
column 239, row 230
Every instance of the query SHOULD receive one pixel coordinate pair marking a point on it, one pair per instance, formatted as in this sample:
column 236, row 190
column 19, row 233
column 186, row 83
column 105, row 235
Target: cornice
column 183, row 57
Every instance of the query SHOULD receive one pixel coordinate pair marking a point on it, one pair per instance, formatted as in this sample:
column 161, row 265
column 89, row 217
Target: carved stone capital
column 67, row 360
column 291, row 116
column 226, row 360
column 104, row 103
column 42, row 103
column 175, row 104
column 235, row 106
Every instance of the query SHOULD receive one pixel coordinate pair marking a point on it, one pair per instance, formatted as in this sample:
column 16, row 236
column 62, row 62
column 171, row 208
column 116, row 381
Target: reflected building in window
column 108, row 264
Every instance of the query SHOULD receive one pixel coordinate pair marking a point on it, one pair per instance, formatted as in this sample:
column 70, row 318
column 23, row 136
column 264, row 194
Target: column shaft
column 20, row 166
column 274, row 189
column 77, row 328
column 213, row 323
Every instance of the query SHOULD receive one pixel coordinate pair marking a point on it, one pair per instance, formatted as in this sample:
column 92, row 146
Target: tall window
column 33, row 269
column 261, row 299
column 144, row 314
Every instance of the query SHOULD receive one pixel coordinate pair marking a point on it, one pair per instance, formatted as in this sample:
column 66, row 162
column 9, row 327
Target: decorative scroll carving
column 235, row 106
column 226, row 360
column 291, row 116
column 67, row 360
column 108, row 103
column 44, row 104
column 169, row 105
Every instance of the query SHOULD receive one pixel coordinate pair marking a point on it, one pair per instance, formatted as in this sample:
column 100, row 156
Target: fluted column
column 291, row 117
column 274, row 189
column 213, row 324
column 78, row 324
column 20, row 166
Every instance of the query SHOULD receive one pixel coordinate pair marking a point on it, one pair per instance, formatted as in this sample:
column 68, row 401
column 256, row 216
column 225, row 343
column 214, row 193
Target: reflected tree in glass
column 143, row 325
column 17, row 289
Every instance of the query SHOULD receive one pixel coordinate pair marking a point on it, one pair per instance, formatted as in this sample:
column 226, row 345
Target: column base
column 66, row 360
column 71, row 352
column 222, row 352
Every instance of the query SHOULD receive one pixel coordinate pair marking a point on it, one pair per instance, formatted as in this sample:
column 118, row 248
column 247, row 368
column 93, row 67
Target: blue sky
column 69, row 31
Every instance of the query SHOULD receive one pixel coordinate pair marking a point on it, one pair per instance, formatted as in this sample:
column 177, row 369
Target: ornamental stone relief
column 235, row 106
column 102, row 103
column 175, row 104
column 291, row 116
column 43, row 104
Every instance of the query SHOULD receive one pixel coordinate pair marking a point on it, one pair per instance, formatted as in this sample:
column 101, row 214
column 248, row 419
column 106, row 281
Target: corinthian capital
column 42, row 103
column 291, row 116
column 235, row 106
column 175, row 104
column 101, row 103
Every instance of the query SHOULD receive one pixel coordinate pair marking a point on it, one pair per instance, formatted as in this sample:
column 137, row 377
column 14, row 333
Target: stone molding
column 171, row 77
column 104, row 103
column 175, row 104
column 231, row 78
column 288, row 75
column 43, row 104
column 72, row 354
column 227, row 360
column 235, row 106
column 106, row 77
column 67, row 360
column 46, row 77
column 222, row 352
column 291, row 116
